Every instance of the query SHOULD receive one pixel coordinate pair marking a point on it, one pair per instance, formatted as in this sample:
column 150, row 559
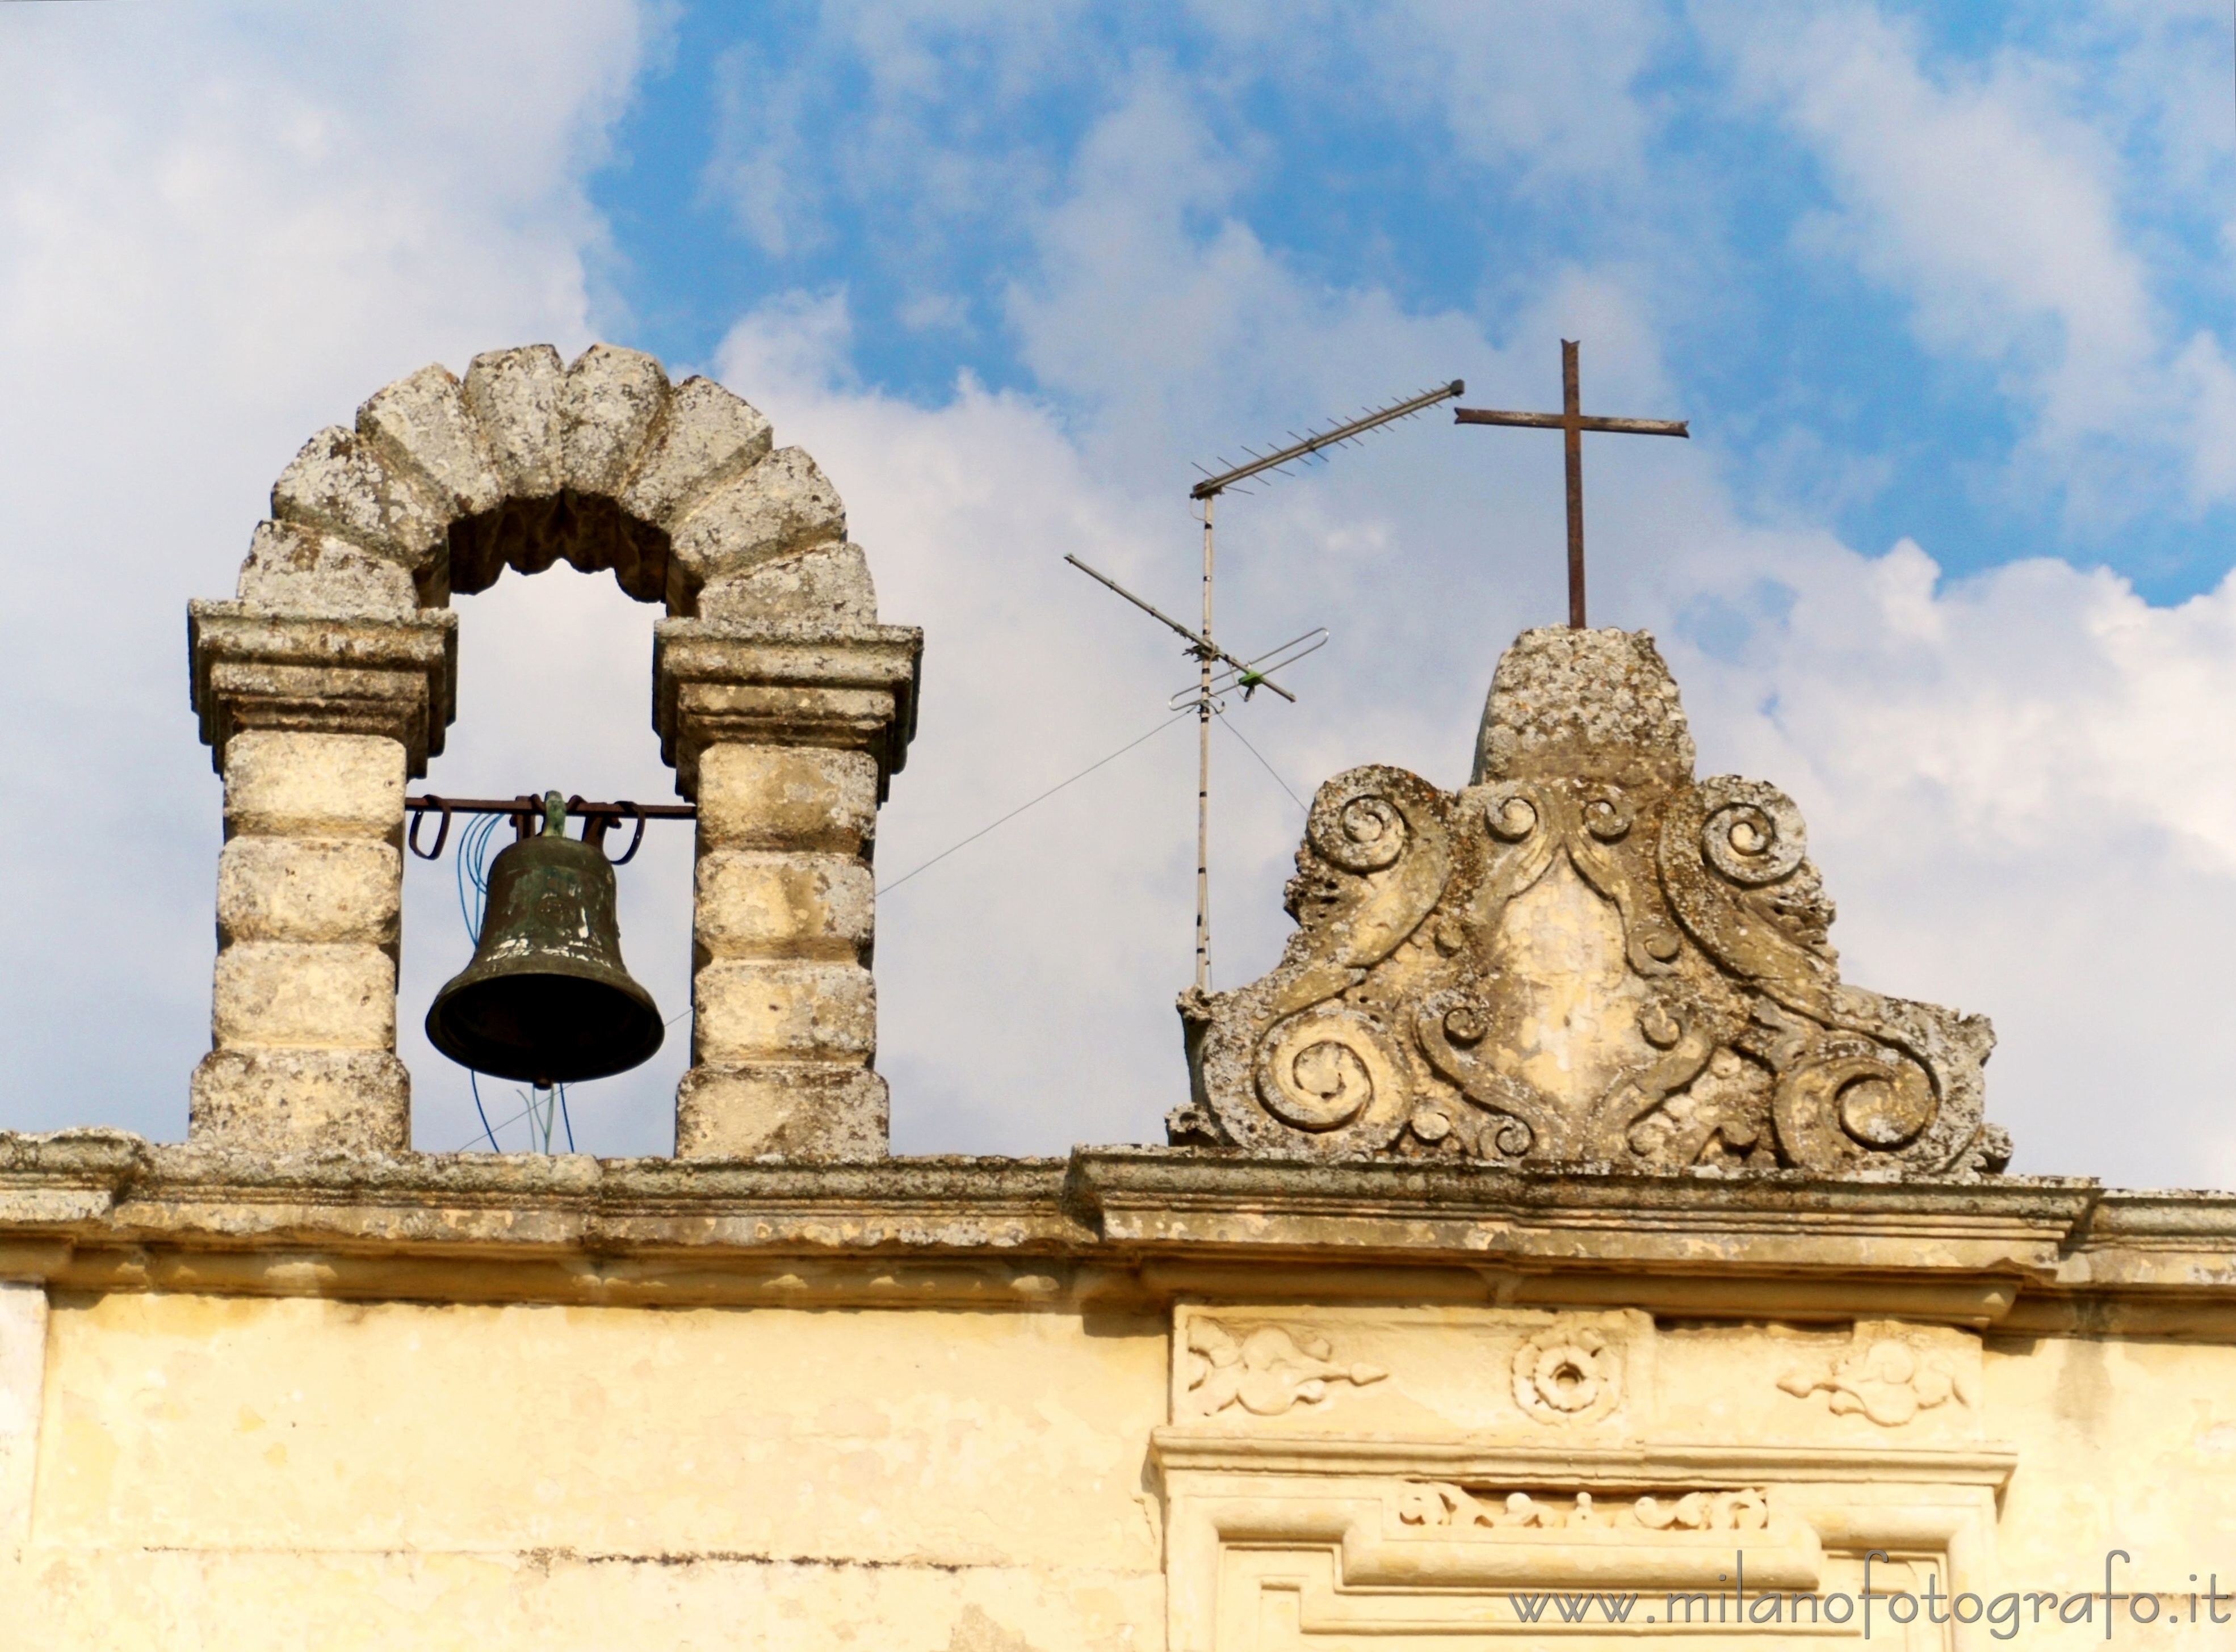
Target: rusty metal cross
column 1572, row 424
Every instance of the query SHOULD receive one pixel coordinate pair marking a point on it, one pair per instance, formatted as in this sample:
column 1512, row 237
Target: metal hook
column 598, row 819
column 442, row 832
column 636, row 842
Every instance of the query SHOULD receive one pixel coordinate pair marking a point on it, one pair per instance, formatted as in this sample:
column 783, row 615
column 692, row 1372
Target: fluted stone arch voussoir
column 782, row 703
column 442, row 485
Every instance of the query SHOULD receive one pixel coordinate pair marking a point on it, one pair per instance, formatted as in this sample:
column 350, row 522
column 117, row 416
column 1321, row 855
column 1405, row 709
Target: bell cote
column 330, row 678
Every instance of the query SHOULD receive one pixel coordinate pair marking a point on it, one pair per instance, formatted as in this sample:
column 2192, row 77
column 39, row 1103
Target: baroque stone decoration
column 1434, row 1505
column 1887, row 1379
column 1569, row 1373
column 1585, row 957
column 1267, row 1371
column 782, row 704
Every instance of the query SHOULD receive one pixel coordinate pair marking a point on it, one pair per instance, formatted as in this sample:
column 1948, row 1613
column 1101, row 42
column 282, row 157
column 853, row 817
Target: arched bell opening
column 327, row 687
column 551, row 693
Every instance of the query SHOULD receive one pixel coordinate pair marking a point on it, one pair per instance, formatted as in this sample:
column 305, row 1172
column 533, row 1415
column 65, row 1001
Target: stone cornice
column 783, row 683
column 259, row 668
column 1119, row 1228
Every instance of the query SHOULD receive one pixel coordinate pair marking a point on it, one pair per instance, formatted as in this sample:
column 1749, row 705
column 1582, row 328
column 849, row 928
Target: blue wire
column 472, row 850
column 472, row 872
column 474, row 1078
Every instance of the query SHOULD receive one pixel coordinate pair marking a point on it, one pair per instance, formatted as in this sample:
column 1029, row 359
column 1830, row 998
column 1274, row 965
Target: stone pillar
column 786, row 735
column 315, row 724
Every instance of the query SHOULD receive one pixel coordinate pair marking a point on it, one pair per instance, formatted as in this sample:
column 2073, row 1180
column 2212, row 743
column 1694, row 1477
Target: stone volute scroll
column 1586, row 957
column 782, row 703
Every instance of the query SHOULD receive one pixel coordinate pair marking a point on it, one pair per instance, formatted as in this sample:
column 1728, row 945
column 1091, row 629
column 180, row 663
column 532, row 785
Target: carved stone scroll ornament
column 1888, row 1379
column 1584, row 958
column 1268, row 1371
column 1434, row 1505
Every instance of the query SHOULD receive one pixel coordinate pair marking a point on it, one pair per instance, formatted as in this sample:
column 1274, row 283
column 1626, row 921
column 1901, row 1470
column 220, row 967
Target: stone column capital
column 391, row 675
column 839, row 687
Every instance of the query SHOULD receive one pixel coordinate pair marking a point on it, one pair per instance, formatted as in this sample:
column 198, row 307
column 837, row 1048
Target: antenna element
column 1218, row 672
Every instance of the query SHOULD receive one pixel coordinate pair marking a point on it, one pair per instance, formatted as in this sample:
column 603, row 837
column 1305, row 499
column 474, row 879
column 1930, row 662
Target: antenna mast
column 1249, row 676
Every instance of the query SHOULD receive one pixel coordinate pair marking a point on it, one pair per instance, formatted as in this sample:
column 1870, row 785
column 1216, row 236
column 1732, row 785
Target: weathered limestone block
column 270, row 1101
column 341, row 482
column 422, row 424
column 515, row 396
column 303, row 1006
column 828, row 583
column 745, row 1009
column 1584, row 957
column 764, row 796
column 762, row 903
column 784, row 503
column 808, row 1110
column 710, row 439
column 302, row 570
column 288, row 784
column 305, row 995
column 612, row 400
column 1596, row 704
column 308, row 890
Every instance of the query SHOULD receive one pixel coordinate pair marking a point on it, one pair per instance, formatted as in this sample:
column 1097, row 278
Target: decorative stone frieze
column 1626, row 1462
column 1891, row 1372
column 1584, row 958
column 1267, row 1370
column 340, row 641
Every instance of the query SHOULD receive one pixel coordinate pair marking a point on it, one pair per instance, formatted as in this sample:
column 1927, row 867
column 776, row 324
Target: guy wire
column 1171, row 718
column 1228, row 724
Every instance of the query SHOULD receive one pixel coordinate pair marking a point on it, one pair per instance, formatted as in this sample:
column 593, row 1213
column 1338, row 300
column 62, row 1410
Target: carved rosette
column 1584, row 957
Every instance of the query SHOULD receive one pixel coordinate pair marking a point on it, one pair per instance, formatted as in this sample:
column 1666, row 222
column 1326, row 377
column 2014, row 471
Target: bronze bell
column 547, row 998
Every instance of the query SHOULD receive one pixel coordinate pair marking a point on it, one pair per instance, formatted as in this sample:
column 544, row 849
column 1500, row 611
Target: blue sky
column 901, row 155
column 1945, row 292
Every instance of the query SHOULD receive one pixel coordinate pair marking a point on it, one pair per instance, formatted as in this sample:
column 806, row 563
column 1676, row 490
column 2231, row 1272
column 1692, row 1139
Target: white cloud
column 2000, row 200
column 220, row 228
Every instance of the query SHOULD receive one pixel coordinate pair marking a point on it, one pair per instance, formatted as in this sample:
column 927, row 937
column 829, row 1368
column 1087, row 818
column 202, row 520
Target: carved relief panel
column 1457, row 1477
column 1338, row 1370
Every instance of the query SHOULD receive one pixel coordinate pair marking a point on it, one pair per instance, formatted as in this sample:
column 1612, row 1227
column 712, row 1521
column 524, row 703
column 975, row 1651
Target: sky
column 1944, row 292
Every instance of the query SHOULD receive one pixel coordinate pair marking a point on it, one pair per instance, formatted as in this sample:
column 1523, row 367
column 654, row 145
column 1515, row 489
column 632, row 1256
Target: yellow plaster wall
column 242, row 1473
column 2123, row 1444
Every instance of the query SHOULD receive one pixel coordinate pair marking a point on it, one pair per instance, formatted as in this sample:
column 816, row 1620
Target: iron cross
column 1572, row 424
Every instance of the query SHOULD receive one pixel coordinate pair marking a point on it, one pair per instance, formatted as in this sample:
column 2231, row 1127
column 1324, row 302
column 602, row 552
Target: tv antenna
column 1217, row 672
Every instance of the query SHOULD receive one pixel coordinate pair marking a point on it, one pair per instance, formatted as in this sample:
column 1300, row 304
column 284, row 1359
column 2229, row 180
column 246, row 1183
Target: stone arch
column 782, row 704
column 444, row 483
